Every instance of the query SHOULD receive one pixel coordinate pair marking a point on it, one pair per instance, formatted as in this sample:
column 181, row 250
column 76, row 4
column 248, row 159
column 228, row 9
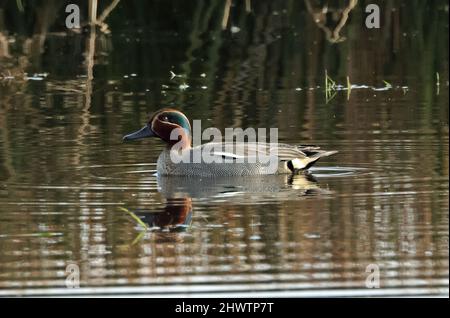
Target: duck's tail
column 299, row 164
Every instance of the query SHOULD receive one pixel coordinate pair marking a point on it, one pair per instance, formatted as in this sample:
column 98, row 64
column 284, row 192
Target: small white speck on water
column 204, row 87
column 312, row 235
column 235, row 29
column 28, row 78
column 210, row 225
column 183, row 86
column 133, row 74
column 203, row 75
column 298, row 89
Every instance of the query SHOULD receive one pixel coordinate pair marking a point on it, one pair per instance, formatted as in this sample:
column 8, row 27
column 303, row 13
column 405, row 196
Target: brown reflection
column 180, row 191
column 177, row 215
column 320, row 16
column 4, row 47
column 15, row 66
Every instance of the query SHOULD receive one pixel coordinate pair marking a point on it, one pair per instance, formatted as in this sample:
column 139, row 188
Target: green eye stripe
column 179, row 120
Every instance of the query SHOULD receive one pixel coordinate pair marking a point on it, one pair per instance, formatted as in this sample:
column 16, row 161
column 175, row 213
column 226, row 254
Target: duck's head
column 161, row 125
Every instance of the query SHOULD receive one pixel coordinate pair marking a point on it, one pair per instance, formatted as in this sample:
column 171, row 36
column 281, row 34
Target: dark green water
column 65, row 173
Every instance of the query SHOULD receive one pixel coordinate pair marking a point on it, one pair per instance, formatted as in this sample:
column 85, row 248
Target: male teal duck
column 244, row 159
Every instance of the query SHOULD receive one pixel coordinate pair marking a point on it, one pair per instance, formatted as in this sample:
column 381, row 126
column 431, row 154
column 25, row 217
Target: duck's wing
column 297, row 157
column 235, row 150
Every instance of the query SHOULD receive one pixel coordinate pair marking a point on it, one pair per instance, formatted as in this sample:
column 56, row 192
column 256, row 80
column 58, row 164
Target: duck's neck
column 181, row 137
column 183, row 142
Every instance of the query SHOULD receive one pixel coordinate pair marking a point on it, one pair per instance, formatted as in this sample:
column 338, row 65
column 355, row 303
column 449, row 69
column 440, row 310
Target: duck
column 180, row 158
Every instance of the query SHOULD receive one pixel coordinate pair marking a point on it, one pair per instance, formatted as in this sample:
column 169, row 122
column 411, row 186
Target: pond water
column 70, row 188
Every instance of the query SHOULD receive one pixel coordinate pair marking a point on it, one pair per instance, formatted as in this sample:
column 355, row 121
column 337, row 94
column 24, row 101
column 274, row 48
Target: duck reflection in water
column 176, row 216
column 180, row 192
column 238, row 189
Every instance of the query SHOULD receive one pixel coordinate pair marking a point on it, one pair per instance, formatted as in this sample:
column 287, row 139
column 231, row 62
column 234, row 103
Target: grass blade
column 135, row 217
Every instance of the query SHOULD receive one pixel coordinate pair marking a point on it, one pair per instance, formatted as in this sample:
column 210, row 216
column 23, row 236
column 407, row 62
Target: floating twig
column 438, row 83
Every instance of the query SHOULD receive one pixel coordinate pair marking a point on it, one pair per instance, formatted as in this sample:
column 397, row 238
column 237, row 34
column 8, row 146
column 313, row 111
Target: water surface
column 65, row 173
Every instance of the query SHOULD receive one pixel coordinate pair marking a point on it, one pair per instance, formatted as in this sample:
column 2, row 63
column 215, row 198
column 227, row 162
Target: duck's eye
column 164, row 118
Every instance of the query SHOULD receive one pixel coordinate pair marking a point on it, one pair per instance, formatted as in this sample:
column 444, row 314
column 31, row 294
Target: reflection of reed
column 320, row 18
column 340, row 232
column 226, row 14
column 6, row 146
column 33, row 46
column 101, row 20
column 199, row 25
column 92, row 12
column 85, row 115
column 4, row 47
column 107, row 11
column 94, row 19
column 226, row 11
column 83, row 130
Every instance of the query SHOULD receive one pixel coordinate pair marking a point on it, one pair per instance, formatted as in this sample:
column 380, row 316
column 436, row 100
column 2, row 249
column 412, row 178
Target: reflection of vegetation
column 349, row 87
column 76, row 116
column 330, row 88
column 100, row 20
column 138, row 221
column 226, row 11
column 176, row 216
column 438, row 83
column 20, row 5
column 135, row 217
column 320, row 14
